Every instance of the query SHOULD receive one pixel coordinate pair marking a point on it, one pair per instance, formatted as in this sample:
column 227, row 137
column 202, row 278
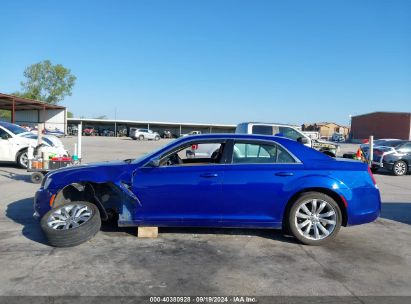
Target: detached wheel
column 23, row 159
column 400, row 168
column 315, row 218
column 36, row 177
column 141, row 137
column 71, row 224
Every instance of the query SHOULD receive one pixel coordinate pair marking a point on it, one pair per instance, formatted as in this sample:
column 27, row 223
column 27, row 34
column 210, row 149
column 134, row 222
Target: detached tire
column 71, row 224
column 315, row 218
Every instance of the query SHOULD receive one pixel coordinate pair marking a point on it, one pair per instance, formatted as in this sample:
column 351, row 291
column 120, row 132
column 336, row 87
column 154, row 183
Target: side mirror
column 5, row 136
column 302, row 140
column 155, row 162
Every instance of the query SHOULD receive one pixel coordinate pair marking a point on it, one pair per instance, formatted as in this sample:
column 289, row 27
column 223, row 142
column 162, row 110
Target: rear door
column 255, row 183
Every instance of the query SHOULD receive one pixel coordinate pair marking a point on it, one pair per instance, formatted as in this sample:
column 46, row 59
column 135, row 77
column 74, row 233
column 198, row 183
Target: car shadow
column 271, row 234
column 399, row 212
column 21, row 212
column 15, row 176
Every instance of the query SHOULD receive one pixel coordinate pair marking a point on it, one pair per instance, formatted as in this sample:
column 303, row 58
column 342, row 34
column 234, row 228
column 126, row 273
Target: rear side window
column 290, row 133
column 260, row 153
column 263, row 130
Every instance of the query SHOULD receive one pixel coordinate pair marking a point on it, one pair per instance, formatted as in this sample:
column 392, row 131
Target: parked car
column 365, row 147
column 290, row 132
column 15, row 140
column 191, row 133
column 168, row 134
column 394, row 156
column 253, row 181
column 143, row 134
column 337, row 137
column 90, row 131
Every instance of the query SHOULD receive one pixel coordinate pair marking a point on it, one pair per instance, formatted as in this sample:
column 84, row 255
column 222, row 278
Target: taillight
column 372, row 176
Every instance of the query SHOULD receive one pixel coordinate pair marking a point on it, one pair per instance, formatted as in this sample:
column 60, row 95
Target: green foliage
column 47, row 82
column 5, row 115
column 69, row 114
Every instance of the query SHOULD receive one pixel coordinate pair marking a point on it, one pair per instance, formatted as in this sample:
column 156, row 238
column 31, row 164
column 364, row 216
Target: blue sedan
column 246, row 181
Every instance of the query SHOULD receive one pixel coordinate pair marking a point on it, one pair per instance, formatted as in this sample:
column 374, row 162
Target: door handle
column 284, row 174
column 208, row 175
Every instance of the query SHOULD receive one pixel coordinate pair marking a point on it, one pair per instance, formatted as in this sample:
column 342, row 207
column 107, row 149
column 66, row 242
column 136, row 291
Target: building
column 176, row 128
column 30, row 112
column 326, row 129
column 381, row 125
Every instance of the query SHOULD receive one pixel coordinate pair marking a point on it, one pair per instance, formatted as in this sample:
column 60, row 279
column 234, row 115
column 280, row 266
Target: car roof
column 301, row 151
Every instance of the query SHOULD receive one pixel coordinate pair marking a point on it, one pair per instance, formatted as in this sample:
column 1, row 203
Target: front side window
column 194, row 154
column 260, row 153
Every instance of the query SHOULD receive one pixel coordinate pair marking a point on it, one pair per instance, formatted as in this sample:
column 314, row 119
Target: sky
column 216, row 61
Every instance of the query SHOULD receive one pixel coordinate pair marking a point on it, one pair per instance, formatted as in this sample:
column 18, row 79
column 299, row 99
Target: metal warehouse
column 31, row 112
column 382, row 125
column 177, row 128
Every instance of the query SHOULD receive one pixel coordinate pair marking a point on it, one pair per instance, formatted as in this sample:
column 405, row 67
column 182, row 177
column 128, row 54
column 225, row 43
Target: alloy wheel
column 24, row 160
column 400, row 168
column 315, row 219
column 69, row 216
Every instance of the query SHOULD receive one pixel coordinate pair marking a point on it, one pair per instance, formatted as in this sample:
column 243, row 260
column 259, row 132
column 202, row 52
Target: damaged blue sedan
column 244, row 181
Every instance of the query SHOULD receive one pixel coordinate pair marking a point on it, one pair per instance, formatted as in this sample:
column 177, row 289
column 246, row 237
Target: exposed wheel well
column 326, row 191
column 105, row 196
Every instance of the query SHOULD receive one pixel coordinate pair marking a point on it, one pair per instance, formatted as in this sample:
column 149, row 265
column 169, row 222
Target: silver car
column 144, row 134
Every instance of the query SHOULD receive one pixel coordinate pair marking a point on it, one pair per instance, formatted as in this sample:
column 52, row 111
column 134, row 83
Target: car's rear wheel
column 71, row 224
column 23, row 159
column 141, row 137
column 315, row 218
column 400, row 168
column 157, row 137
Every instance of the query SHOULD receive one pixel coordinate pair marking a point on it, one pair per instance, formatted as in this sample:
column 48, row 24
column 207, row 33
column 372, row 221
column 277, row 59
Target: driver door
column 183, row 194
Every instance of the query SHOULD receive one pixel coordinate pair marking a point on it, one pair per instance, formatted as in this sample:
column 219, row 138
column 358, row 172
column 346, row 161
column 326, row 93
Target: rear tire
column 315, row 218
column 60, row 236
column 400, row 168
column 141, row 137
column 157, row 137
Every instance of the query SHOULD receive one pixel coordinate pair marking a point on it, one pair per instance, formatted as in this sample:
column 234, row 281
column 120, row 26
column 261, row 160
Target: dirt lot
column 373, row 259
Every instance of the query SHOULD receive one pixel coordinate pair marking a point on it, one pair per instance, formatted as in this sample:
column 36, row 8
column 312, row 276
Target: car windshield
column 15, row 129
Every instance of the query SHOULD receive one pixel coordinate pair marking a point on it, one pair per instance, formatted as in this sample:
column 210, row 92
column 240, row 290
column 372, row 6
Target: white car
column 191, row 133
column 143, row 134
column 15, row 140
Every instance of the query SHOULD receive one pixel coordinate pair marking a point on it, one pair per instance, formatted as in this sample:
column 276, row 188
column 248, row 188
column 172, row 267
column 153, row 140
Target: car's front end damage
column 107, row 185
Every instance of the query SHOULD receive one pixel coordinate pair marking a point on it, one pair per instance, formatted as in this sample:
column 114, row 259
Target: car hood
column 99, row 172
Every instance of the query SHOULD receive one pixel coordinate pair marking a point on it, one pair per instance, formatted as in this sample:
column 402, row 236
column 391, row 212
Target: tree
column 70, row 114
column 5, row 115
column 47, row 82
